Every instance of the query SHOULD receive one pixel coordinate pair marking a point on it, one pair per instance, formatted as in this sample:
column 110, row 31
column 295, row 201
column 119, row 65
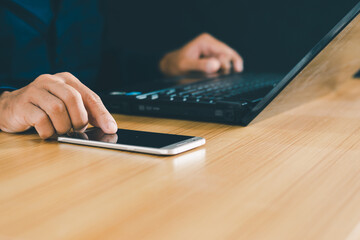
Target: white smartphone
column 135, row 141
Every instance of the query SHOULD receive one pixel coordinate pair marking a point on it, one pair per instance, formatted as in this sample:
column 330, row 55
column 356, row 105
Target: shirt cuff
column 6, row 88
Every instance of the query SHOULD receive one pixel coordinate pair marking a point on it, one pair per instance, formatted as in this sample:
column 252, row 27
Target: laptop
column 242, row 98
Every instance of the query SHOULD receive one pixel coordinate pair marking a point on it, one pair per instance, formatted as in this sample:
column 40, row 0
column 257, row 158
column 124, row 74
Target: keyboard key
column 170, row 91
column 249, row 96
column 154, row 96
column 132, row 93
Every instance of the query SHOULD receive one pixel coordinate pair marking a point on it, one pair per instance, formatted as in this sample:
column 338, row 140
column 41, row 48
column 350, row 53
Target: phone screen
column 131, row 137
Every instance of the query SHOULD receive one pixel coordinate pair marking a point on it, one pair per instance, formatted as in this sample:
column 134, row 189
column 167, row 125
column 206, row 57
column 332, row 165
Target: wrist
column 163, row 64
column 2, row 107
column 6, row 89
column 168, row 64
column 2, row 94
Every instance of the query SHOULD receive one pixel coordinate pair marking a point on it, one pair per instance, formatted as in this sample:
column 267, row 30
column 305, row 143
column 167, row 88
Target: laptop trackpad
column 252, row 96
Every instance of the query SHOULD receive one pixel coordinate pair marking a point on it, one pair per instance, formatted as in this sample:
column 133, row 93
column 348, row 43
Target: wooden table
column 292, row 176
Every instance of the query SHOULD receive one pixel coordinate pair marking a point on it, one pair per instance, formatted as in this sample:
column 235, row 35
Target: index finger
column 99, row 116
column 219, row 48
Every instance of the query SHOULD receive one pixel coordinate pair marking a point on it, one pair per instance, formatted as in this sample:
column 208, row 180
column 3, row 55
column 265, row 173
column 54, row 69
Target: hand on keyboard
column 203, row 54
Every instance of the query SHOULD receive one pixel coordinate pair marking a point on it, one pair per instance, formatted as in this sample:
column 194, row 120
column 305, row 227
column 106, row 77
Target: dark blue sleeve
column 23, row 43
column 32, row 43
column 7, row 88
column 51, row 36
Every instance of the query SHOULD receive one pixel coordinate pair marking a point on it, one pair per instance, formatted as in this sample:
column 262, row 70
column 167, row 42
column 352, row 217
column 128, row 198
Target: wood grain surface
column 338, row 61
column 292, row 176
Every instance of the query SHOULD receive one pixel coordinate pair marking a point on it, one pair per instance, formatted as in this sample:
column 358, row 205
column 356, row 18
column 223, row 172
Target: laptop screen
column 278, row 34
column 272, row 36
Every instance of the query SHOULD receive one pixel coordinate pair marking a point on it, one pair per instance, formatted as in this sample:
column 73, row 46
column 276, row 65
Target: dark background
column 270, row 35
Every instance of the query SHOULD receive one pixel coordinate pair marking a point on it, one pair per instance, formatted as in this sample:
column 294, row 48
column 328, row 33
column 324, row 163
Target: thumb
column 205, row 65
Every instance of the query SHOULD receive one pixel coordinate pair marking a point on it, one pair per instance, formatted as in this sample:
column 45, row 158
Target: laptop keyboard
column 225, row 89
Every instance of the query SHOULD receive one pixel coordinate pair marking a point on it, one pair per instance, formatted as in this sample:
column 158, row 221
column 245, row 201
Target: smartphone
column 135, row 141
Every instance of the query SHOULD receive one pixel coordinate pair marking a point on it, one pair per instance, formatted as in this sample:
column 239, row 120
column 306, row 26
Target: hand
column 205, row 54
column 54, row 104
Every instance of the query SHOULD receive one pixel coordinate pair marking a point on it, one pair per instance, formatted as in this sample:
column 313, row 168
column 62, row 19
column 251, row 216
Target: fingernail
column 239, row 67
column 112, row 127
column 213, row 65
